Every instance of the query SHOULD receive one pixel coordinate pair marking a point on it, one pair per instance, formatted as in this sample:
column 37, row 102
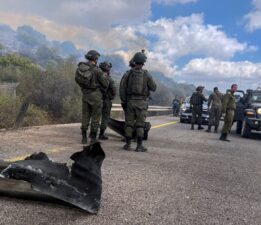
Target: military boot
column 223, row 137
column 93, row 137
column 127, row 146
column 140, row 147
column 200, row 127
column 216, row 129
column 102, row 136
column 209, row 129
column 192, row 127
column 84, row 136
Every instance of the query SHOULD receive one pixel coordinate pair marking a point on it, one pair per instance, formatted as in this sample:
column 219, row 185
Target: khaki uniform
column 135, row 88
column 215, row 104
column 92, row 97
column 108, row 96
column 228, row 107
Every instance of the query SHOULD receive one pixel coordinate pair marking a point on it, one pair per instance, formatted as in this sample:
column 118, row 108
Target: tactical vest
column 196, row 99
column 137, row 84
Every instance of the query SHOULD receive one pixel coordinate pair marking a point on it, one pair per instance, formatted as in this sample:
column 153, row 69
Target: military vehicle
column 248, row 112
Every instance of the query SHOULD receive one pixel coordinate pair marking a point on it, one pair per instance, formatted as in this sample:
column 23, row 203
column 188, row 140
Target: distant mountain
column 26, row 41
column 33, row 44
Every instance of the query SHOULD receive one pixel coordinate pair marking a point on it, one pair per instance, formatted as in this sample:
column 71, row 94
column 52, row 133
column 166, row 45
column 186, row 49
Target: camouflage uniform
column 135, row 88
column 91, row 99
column 196, row 102
column 228, row 107
column 215, row 101
column 108, row 96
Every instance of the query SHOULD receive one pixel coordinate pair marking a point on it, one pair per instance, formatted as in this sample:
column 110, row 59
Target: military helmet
column 105, row 66
column 92, row 55
column 131, row 63
column 200, row 88
column 139, row 58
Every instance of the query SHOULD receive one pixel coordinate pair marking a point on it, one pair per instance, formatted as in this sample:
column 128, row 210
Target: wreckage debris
column 119, row 126
column 80, row 186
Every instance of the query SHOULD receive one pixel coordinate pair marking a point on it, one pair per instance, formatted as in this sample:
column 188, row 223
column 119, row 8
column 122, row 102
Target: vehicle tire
column 246, row 130
column 181, row 120
column 239, row 127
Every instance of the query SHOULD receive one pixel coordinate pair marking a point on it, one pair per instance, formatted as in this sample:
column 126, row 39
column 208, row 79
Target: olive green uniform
column 92, row 96
column 135, row 89
column 196, row 101
column 108, row 96
column 228, row 107
column 215, row 104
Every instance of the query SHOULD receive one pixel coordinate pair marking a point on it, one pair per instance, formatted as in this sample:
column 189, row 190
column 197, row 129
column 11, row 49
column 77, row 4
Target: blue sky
column 228, row 14
column 206, row 42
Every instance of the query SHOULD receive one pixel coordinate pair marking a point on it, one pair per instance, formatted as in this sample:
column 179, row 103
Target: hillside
column 34, row 45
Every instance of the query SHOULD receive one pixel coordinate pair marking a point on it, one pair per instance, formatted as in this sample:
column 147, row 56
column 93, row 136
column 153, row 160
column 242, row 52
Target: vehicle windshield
column 256, row 97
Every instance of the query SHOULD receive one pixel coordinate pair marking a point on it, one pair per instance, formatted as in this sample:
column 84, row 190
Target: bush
column 72, row 110
column 35, row 117
column 9, row 108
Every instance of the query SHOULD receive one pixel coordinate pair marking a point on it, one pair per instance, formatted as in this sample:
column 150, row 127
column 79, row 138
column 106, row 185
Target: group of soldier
column 98, row 91
column 218, row 106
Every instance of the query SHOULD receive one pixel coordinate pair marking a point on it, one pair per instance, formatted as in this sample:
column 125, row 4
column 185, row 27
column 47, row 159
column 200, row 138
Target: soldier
column 176, row 106
column 135, row 88
column 214, row 108
column 228, row 111
column 196, row 103
column 91, row 79
column 108, row 95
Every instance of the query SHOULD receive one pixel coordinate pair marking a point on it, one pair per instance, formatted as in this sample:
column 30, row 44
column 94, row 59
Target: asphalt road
column 187, row 177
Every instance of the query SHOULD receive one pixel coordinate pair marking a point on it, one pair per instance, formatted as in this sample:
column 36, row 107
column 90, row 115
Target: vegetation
column 49, row 94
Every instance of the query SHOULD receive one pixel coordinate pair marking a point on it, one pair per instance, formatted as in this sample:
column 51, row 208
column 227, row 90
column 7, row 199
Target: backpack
column 136, row 83
column 84, row 76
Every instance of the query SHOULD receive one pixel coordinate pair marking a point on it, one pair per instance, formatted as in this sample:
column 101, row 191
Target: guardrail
column 153, row 110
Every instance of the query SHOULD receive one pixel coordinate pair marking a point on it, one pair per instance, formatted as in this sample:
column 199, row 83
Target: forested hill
column 31, row 44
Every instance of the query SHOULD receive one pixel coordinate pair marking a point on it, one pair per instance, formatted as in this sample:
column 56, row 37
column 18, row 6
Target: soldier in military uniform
column 135, row 88
column 196, row 103
column 91, row 79
column 108, row 95
column 228, row 111
column 214, row 108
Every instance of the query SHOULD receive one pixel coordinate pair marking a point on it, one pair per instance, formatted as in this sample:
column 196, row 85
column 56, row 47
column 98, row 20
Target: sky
column 204, row 42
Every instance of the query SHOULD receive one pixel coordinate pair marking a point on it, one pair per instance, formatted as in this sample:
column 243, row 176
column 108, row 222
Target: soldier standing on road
column 196, row 103
column 176, row 106
column 228, row 111
column 214, row 108
column 108, row 95
column 135, row 88
column 91, row 79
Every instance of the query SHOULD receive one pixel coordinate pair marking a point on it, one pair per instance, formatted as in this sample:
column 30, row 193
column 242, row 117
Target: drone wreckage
column 39, row 178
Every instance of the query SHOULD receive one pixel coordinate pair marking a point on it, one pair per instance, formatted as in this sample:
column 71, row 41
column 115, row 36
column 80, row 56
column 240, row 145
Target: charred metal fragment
column 119, row 126
column 81, row 186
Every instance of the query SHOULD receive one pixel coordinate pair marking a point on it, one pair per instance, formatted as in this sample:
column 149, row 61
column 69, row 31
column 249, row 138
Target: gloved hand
column 190, row 106
column 124, row 105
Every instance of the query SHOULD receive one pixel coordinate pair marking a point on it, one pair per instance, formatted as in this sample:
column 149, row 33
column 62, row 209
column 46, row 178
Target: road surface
column 187, row 177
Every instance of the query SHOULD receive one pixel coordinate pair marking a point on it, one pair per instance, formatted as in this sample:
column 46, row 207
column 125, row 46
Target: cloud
column 172, row 2
column 190, row 36
column 89, row 13
column 171, row 39
column 253, row 18
column 211, row 72
column 120, row 27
